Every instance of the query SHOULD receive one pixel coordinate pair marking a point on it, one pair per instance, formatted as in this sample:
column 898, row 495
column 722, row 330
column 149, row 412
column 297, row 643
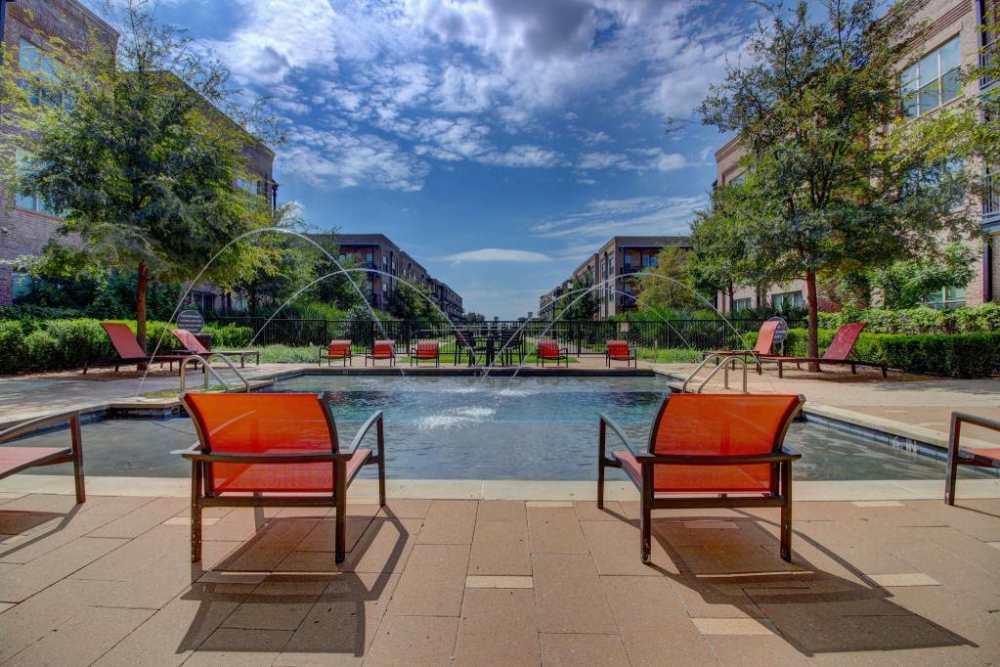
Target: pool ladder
column 197, row 358
column 725, row 360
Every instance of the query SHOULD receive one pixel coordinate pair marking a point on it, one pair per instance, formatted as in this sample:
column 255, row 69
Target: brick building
column 26, row 225
column 930, row 82
column 376, row 251
column 620, row 256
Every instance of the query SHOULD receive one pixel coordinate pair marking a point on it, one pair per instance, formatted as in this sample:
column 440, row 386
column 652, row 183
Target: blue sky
column 498, row 141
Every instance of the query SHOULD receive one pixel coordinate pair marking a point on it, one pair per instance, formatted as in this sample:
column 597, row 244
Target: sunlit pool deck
column 506, row 571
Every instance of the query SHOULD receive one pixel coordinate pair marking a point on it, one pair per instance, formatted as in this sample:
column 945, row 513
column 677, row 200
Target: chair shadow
column 815, row 611
column 336, row 620
column 14, row 521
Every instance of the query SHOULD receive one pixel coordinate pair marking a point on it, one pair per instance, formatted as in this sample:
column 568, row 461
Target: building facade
column 929, row 81
column 26, row 223
column 613, row 266
column 379, row 253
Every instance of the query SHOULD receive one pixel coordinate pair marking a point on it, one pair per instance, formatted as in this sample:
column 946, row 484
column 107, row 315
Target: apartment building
column 930, row 82
column 376, row 251
column 613, row 265
column 26, row 223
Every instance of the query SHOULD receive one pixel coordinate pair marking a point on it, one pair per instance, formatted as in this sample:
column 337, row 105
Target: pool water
column 538, row 428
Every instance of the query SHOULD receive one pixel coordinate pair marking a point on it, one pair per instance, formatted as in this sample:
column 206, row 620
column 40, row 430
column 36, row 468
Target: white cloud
column 635, row 159
column 497, row 255
column 637, row 215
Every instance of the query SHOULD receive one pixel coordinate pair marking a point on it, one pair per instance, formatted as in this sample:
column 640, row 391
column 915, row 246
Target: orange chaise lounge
column 190, row 344
column 338, row 349
column 619, row 350
column 840, row 351
column 549, row 350
column 382, row 349
column 709, row 450
column 274, row 450
column 127, row 347
column 426, row 350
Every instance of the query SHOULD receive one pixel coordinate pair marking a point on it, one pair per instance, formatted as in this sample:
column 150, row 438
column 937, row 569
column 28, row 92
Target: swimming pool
column 537, row 428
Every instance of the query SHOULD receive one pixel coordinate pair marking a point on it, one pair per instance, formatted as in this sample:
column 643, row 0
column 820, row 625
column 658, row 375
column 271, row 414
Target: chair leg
column 340, row 538
column 196, row 480
column 77, row 437
column 380, row 434
column 951, row 477
column 646, row 519
column 602, row 436
column 786, row 512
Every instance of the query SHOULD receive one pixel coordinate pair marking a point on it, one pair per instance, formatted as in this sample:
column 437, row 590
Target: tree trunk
column 732, row 299
column 813, row 301
column 142, row 284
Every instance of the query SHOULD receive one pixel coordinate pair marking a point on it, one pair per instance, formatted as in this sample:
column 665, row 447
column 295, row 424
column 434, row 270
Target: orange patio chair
column 15, row 459
column 983, row 457
column 763, row 346
column 618, row 350
column 129, row 351
column 709, row 450
column 190, row 344
column 839, row 352
column 549, row 350
column 274, row 450
column 426, row 350
column 382, row 349
column 338, row 349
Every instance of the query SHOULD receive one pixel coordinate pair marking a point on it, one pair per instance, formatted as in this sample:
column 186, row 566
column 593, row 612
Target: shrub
column 42, row 351
column 922, row 319
column 229, row 335
column 12, row 351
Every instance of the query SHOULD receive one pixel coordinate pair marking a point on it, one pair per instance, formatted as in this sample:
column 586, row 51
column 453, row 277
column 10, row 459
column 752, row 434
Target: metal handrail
column 725, row 358
column 197, row 358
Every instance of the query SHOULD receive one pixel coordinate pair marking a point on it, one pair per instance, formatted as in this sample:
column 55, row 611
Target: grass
column 670, row 355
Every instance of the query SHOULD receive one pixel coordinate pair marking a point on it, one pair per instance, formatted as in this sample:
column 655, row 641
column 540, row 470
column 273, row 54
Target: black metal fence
column 578, row 336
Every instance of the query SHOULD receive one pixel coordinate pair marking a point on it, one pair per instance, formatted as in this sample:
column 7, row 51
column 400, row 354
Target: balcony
column 991, row 200
column 988, row 53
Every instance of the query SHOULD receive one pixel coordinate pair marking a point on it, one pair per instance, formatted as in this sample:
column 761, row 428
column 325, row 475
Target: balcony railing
column 988, row 53
column 991, row 198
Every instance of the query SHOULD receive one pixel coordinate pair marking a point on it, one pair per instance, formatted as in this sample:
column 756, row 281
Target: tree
column 667, row 287
column 579, row 302
column 907, row 283
column 414, row 304
column 812, row 109
column 138, row 160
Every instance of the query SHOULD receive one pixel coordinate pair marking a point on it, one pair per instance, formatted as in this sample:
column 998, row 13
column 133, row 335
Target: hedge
column 49, row 345
column 967, row 355
column 920, row 320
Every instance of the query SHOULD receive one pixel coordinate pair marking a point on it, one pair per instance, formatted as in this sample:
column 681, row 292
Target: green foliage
column 286, row 354
column 905, row 284
column 579, row 303
column 667, row 286
column 967, row 355
column 229, row 336
column 919, row 320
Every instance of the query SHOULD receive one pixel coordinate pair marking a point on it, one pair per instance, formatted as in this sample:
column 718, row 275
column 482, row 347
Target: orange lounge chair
column 382, row 349
column 728, row 445
column 618, row 350
column 426, row 350
column 129, row 351
column 274, row 450
column 549, row 350
column 190, row 344
column 839, row 352
column 15, row 459
column 338, row 349
column 763, row 346
column 984, row 457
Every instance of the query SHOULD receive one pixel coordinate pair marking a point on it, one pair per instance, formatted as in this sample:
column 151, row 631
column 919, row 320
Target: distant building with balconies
column 614, row 266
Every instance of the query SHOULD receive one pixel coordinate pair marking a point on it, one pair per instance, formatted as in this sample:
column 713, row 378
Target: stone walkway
column 497, row 582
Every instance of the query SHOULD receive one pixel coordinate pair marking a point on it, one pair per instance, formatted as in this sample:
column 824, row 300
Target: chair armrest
column 363, row 431
column 783, row 456
column 33, row 425
column 618, row 431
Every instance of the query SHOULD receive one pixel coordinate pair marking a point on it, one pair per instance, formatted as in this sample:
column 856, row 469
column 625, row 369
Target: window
column 649, row 261
column 25, row 200
column 948, row 297
column 33, row 60
column 786, row 300
column 932, row 81
column 742, row 304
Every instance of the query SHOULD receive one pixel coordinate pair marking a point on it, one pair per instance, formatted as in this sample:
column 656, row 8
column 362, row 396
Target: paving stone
column 231, row 646
column 83, row 638
column 903, row 579
column 555, row 530
column 186, row 521
column 548, row 504
column 433, row 582
column 270, row 547
column 732, row 626
column 449, row 522
column 571, row 650
column 384, row 547
column 414, row 640
column 46, row 570
column 615, row 547
column 4, row 606
column 276, row 605
column 341, row 626
column 497, row 627
column 136, row 523
column 171, row 634
column 588, row 511
column 405, row 508
column 569, row 596
column 323, row 537
column 500, row 547
column 501, row 581
column 501, row 510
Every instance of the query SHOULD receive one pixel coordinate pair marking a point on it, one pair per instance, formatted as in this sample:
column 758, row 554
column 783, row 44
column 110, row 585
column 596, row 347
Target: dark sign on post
column 780, row 333
column 191, row 320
